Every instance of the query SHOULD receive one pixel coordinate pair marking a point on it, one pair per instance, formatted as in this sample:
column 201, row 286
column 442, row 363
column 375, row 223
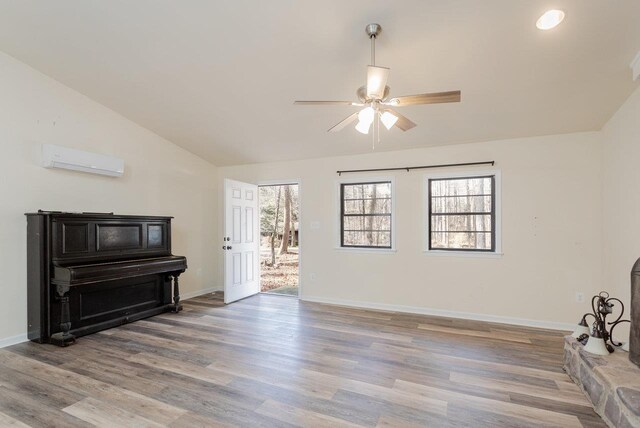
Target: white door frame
column 298, row 182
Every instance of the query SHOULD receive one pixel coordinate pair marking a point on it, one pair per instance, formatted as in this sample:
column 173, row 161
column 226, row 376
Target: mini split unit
column 78, row 160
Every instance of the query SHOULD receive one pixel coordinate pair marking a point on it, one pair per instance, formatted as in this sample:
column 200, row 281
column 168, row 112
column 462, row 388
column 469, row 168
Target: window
column 365, row 215
column 462, row 213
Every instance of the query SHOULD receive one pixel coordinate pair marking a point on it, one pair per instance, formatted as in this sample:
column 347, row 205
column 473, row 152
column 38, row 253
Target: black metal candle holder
column 602, row 306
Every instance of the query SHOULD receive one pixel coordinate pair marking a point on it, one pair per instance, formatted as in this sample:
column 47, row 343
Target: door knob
column 229, row 247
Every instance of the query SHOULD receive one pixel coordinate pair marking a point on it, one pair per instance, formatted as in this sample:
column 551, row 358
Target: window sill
column 365, row 250
column 472, row 254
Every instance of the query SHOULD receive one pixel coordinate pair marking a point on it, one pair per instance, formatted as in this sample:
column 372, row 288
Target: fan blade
column 324, row 103
column 403, row 123
column 341, row 125
column 433, row 98
column 376, row 81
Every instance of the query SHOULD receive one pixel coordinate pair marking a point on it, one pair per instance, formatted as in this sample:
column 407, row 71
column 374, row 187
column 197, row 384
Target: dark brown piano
column 89, row 272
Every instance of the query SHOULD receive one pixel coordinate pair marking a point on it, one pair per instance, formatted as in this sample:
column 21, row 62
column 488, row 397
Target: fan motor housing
column 373, row 30
column 364, row 98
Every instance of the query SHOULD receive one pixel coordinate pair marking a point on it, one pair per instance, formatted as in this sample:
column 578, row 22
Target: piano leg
column 177, row 307
column 64, row 338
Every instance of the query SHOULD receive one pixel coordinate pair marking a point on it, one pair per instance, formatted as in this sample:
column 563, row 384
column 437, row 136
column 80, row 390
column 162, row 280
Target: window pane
column 355, row 223
column 383, row 190
column 366, row 223
column 461, row 223
column 354, row 206
column 347, row 192
column 368, row 190
column 461, row 240
column 461, row 204
column 461, row 186
column 382, row 222
column 367, row 239
column 383, row 239
column 353, row 191
column 367, row 206
column 378, row 206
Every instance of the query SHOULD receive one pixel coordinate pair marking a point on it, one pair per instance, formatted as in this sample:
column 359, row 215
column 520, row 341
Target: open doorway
column 279, row 239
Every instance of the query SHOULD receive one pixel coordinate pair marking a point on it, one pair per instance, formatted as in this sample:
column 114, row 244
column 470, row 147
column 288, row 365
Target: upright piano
column 92, row 271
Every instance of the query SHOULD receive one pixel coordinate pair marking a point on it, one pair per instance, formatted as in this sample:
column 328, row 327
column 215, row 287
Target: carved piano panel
column 88, row 272
column 110, row 238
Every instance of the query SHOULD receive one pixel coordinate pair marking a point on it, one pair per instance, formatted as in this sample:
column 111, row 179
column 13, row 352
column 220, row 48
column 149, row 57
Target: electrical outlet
column 580, row 297
column 312, row 276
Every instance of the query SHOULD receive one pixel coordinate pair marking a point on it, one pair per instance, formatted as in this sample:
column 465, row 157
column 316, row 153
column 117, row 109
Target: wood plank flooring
column 274, row 361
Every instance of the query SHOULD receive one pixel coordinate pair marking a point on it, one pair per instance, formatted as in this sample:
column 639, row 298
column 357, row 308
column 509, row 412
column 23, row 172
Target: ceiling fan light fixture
column 374, row 99
column 376, row 81
column 388, row 119
column 363, row 127
column 366, row 115
column 550, row 19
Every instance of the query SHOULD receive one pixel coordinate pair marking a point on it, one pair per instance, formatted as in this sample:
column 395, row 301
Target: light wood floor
column 273, row 361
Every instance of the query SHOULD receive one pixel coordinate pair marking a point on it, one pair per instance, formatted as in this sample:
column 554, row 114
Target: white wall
column 621, row 197
column 551, row 228
column 160, row 179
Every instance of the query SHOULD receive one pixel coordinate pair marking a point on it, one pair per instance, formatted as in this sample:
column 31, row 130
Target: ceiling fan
column 374, row 97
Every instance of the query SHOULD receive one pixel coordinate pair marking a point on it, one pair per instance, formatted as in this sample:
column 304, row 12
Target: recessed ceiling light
column 550, row 19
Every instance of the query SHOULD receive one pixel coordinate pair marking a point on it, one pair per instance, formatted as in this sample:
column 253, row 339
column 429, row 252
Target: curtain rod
column 409, row 168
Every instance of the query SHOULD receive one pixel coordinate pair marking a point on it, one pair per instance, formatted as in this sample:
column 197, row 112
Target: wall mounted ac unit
column 78, row 160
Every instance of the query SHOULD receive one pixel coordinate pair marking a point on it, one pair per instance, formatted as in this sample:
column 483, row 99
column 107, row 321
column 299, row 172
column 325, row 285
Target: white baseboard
column 8, row 341
column 197, row 293
column 550, row 325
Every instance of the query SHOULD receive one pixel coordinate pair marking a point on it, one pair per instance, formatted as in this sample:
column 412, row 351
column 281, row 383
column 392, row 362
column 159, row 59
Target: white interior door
column 241, row 241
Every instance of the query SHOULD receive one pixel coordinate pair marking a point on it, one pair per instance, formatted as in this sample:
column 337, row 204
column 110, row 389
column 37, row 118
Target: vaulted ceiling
column 219, row 77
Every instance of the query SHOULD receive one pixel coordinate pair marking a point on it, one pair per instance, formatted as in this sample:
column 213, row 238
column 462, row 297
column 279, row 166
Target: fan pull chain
column 373, row 135
column 375, row 130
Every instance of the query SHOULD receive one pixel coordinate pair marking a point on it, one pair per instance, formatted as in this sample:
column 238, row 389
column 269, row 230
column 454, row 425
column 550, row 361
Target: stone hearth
column 611, row 383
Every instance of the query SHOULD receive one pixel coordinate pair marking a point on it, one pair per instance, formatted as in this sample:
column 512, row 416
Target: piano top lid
column 94, row 215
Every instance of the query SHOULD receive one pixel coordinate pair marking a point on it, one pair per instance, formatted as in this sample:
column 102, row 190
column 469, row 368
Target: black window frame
column 492, row 213
column 342, row 215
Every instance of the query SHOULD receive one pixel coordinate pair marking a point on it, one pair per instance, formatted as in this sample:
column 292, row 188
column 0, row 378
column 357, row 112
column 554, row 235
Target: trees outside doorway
column 279, row 239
